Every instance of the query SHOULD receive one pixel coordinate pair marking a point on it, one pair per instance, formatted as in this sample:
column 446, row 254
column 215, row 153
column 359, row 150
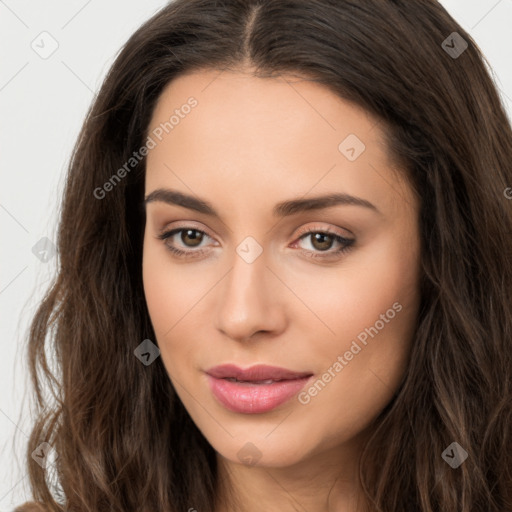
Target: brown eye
column 322, row 244
column 321, row 241
column 191, row 237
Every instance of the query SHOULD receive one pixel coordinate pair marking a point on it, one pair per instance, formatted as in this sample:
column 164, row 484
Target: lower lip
column 254, row 398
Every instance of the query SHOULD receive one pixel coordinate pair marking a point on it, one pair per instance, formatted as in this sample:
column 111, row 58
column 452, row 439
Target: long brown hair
column 124, row 440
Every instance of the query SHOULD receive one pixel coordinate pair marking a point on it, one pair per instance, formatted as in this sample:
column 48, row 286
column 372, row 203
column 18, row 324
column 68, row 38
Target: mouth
column 257, row 373
column 254, row 390
column 267, row 381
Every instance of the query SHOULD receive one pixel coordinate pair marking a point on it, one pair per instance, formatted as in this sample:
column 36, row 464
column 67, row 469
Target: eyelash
column 347, row 244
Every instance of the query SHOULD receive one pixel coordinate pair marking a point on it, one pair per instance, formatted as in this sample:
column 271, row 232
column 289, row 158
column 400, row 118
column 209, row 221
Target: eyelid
column 302, row 231
column 188, row 224
column 322, row 229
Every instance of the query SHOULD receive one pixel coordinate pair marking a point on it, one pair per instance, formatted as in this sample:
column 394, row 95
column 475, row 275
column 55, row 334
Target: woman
column 239, row 153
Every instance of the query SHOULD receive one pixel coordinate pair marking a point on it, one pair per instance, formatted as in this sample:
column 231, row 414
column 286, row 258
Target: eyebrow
column 283, row 209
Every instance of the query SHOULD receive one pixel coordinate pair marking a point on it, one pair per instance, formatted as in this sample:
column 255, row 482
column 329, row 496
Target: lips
column 254, row 390
column 255, row 374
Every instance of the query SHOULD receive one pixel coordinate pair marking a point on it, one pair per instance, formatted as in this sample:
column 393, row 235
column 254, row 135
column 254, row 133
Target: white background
column 43, row 103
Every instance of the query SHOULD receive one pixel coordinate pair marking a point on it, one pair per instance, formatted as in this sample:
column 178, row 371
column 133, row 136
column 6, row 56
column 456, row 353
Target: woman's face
column 264, row 279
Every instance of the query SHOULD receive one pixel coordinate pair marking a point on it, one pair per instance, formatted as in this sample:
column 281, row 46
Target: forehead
column 266, row 138
column 259, row 108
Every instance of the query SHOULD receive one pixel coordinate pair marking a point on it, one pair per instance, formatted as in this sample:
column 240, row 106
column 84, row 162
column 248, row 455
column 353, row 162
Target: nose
column 250, row 301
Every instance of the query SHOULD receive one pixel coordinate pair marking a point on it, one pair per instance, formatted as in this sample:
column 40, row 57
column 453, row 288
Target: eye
column 190, row 237
column 321, row 240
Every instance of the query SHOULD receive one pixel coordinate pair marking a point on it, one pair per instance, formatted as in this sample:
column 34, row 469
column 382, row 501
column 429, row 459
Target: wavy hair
column 123, row 438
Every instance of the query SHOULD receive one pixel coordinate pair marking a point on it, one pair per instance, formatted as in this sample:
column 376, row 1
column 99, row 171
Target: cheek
column 372, row 306
column 160, row 296
column 174, row 296
column 361, row 370
column 352, row 297
column 170, row 291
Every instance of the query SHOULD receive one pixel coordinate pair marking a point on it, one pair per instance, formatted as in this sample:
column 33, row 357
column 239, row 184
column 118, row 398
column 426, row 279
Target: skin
column 251, row 143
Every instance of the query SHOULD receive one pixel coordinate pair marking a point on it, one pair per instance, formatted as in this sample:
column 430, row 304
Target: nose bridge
column 247, row 303
column 246, row 283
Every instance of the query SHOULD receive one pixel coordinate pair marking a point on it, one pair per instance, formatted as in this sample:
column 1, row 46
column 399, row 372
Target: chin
column 262, row 447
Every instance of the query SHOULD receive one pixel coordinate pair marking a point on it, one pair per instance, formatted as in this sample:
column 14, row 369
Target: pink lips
column 263, row 388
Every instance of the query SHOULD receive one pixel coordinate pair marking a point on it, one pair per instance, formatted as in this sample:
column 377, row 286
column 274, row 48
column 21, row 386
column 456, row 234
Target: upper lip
column 257, row 372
